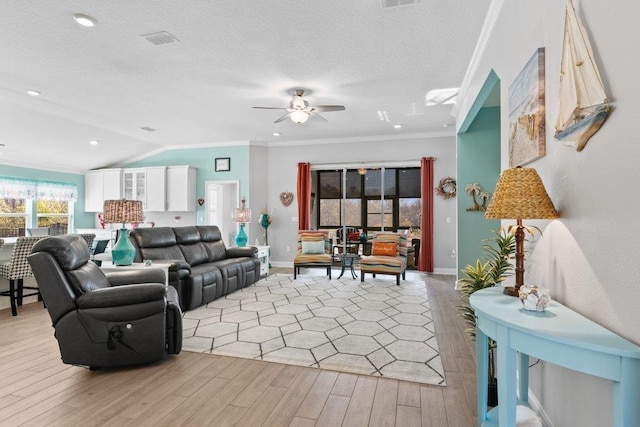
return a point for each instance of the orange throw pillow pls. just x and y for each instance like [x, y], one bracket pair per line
[384, 249]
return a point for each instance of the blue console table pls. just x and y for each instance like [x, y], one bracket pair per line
[558, 335]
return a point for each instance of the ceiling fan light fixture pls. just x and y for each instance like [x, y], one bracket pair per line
[298, 102]
[299, 116]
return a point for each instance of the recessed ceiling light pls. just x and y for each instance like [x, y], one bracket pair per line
[93, 142]
[33, 92]
[398, 126]
[276, 134]
[84, 20]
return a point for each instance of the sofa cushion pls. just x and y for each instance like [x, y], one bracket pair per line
[193, 250]
[211, 238]
[154, 237]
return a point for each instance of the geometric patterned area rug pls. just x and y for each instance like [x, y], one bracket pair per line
[373, 327]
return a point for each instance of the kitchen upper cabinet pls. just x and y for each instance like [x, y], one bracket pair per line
[147, 185]
[159, 188]
[101, 185]
[181, 188]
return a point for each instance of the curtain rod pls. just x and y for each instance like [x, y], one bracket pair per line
[356, 165]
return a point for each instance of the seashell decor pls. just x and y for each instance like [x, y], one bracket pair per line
[534, 298]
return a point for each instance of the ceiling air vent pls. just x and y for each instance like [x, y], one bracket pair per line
[395, 3]
[159, 38]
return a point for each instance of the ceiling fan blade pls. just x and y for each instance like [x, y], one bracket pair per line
[282, 118]
[270, 108]
[319, 116]
[329, 107]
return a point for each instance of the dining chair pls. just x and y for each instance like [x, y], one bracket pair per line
[16, 270]
[89, 238]
[39, 231]
[99, 247]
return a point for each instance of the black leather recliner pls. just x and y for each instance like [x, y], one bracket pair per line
[122, 318]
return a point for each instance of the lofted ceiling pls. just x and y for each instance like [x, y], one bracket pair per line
[108, 82]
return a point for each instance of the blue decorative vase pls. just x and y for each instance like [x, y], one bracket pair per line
[241, 237]
[123, 252]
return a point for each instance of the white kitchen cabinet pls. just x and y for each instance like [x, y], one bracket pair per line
[147, 185]
[181, 188]
[101, 185]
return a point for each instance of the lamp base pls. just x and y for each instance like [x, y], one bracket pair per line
[512, 291]
[241, 237]
[123, 253]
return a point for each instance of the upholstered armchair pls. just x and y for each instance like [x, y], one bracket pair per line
[313, 250]
[126, 318]
[388, 256]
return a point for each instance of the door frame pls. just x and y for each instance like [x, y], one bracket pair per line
[228, 199]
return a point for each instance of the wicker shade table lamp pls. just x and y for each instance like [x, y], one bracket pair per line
[123, 211]
[520, 195]
[241, 215]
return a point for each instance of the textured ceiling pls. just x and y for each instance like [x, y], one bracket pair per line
[107, 82]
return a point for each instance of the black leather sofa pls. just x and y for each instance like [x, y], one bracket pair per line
[104, 321]
[202, 267]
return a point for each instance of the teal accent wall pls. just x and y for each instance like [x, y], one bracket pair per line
[203, 159]
[81, 218]
[478, 161]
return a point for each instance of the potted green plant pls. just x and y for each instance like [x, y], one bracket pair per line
[488, 272]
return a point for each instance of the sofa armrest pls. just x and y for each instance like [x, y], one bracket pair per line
[175, 264]
[242, 251]
[121, 296]
[128, 277]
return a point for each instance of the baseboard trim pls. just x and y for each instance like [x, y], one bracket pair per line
[444, 271]
[539, 410]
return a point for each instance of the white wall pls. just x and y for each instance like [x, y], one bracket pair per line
[589, 258]
[282, 176]
[258, 191]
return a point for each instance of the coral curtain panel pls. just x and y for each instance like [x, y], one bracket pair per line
[304, 196]
[425, 263]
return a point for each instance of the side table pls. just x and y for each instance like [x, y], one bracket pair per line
[348, 260]
[557, 335]
[141, 266]
[263, 256]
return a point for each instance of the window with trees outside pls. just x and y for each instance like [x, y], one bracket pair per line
[26, 203]
[13, 217]
[367, 205]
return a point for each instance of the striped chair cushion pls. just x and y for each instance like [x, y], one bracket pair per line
[383, 264]
[311, 259]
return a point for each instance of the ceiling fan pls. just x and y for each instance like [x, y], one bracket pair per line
[299, 109]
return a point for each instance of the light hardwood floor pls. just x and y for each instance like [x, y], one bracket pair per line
[37, 389]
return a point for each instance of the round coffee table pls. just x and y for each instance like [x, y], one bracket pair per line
[348, 260]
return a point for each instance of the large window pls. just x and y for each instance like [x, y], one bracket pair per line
[55, 215]
[372, 200]
[13, 217]
[28, 203]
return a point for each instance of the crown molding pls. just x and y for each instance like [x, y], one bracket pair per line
[41, 167]
[376, 138]
[483, 41]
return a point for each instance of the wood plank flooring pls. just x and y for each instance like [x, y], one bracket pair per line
[37, 389]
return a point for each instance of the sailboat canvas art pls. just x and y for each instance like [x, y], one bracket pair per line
[583, 101]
